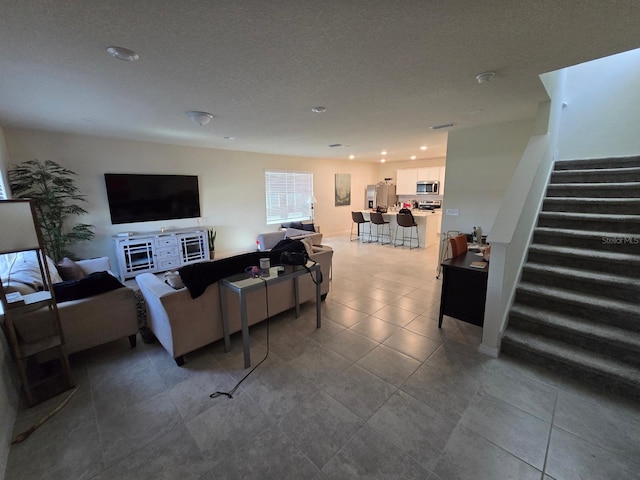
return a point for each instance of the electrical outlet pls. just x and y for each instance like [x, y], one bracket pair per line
[453, 212]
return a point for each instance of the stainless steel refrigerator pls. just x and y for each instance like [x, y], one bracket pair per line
[370, 197]
[385, 195]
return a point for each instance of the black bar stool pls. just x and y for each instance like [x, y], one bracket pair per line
[358, 219]
[406, 220]
[378, 220]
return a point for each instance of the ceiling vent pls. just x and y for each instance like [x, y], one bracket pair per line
[444, 125]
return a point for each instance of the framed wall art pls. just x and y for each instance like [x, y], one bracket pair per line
[343, 189]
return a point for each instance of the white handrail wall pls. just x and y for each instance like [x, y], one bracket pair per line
[513, 227]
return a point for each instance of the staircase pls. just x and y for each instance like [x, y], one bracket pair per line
[577, 306]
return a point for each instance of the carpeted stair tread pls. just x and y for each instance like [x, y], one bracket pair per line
[590, 163]
[597, 200]
[591, 186]
[580, 327]
[587, 217]
[575, 357]
[596, 255]
[598, 171]
[569, 296]
[623, 281]
[587, 234]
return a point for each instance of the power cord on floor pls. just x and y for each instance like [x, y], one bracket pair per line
[231, 392]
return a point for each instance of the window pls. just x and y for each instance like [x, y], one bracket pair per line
[289, 196]
[3, 189]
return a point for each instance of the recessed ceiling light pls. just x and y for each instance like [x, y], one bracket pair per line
[201, 118]
[351, 157]
[123, 54]
[382, 160]
[319, 109]
[485, 77]
[383, 152]
[423, 148]
[413, 157]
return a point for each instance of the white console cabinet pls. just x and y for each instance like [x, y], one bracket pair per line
[159, 251]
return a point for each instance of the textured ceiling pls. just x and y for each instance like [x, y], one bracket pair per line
[386, 70]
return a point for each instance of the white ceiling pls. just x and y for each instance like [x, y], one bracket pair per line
[386, 70]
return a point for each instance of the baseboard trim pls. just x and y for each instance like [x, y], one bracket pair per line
[491, 351]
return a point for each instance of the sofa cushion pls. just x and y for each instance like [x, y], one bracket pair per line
[93, 284]
[70, 270]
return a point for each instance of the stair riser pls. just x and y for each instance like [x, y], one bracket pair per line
[593, 191]
[627, 208]
[594, 344]
[600, 225]
[623, 162]
[625, 292]
[616, 244]
[595, 176]
[602, 316]
[592, 264]
[602, 382]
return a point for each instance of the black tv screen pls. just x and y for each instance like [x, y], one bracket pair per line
[144, 198]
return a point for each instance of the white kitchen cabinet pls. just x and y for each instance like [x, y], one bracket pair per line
[429, 173]
[406, 181]
[160, 251]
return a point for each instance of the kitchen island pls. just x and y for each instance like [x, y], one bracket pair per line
[428, 221]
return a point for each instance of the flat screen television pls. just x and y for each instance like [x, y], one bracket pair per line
[145, 198]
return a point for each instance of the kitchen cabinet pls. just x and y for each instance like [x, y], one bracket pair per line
[406, 181]
[159, 252]
[429, 173]
[408, 177]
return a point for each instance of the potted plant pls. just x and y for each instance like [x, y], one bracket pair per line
[211, 235]
[57, 200]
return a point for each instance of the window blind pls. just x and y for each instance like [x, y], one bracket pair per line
[289, 196]
[3, 189]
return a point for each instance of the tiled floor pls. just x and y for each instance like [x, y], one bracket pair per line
[379, 392]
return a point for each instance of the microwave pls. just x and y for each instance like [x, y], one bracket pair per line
[428, 187]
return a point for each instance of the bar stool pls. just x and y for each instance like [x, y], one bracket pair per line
[358, 219]
[378, 220]
[405, 220]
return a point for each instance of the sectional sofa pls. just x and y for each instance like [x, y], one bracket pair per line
[182, 323]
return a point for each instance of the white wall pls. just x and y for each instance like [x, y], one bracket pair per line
[602, 114]
[480, 164]
[231, 183]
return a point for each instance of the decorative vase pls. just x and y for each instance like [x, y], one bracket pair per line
[211, 254]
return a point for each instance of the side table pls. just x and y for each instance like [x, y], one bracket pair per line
[241, 284]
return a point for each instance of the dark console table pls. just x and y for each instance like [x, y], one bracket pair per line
[464, 289]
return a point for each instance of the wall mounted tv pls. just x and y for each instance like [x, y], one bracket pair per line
[144, 198]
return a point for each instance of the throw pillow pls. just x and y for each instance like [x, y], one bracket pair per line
[25, 269]
[173, 280]
[308, 245]
[70, 270]
[309, 227]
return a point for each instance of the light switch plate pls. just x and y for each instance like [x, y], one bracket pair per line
[453, 212]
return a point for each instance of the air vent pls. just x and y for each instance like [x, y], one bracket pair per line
[335, 145]
[445, 125]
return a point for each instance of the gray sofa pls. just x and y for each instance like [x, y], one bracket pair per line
[183, 324]
[87, 322]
